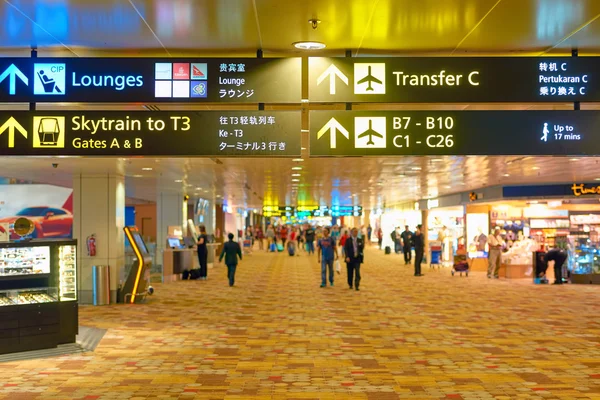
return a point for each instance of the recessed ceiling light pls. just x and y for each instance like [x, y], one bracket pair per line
[415, 169]
[295, 180]
[298, 159]
[147, 169]
[535, 168]
[296, 168]
[506, 175]
[303, 100]
[296, 174]
[436, 160]
[178, 180]
[574, 159]
[448, 187]
[137, 176]
[198, 188]
[309, 45]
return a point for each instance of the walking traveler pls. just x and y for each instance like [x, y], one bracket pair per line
[231, 252]
[326, 256]
[496, 243]
[407, 239]
[203, 253]
[419, 243]
[354, 250]
[309, 235]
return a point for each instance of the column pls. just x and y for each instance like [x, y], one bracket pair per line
[99, 209]
[171, 210]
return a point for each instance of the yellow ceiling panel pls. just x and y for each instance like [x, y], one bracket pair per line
[530, 26]
[426, 25]
[342, 26]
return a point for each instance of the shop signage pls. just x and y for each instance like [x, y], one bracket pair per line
[125, 80]
[454, 79]
[117, 133]
[581, 189]
[422, 133]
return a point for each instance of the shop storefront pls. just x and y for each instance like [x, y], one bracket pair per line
[536, 219]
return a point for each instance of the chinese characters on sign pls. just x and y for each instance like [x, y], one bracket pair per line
[169, 134]
[233, 127]
[554, 80]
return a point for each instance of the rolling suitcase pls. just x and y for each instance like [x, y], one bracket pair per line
[388, 250]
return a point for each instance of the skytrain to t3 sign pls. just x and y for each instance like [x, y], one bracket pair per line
[168, 134]
[229, 80]
[454, 79]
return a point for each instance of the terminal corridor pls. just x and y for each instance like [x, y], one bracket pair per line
[277, 335]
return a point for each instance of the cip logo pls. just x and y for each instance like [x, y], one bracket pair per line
[49, 79]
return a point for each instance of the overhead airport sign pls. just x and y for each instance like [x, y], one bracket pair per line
[407, 133]
[454, 79]
[168, 134]
[152, 80]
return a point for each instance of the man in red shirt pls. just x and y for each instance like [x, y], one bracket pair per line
[284, 234]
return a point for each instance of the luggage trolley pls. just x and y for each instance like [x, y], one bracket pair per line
[435, 254]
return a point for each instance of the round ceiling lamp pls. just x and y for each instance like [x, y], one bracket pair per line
[309, 45]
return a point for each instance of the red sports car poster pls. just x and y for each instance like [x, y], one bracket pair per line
[49, 207]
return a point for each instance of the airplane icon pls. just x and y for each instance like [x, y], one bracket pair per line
[373, 74]
[370, 79]
[370, 133]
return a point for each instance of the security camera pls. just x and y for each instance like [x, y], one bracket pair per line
[54, 165]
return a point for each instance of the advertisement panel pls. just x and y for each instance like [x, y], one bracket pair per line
[49, 207]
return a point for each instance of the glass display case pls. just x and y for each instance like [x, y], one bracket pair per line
[67, 272]
[28, 296]
[15, 261]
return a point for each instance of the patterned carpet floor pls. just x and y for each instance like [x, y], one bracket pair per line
[278, 335]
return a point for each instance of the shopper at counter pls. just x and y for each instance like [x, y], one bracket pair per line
[231, 252]
[556, 258]
[419, 243]
[496, 243]
[203, 253]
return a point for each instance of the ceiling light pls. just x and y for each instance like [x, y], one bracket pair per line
[296, 174]
[303, 100]
[436, 160]
[146, 169]
[506, 175]
[178, 180]
[309, 45]
[535, 168]
[198, 188]
[295, 180]
[303, 148]
[137, 176]
[296, 168]
[304, 130]
[574, 159]
[298, 159]
[448, 187]
[416, 168]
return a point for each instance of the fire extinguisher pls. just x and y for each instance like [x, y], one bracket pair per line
[91, 245]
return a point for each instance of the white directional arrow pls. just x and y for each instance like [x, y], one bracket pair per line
[334, 126]
[11, 124]
[12, 73]
[332, 72]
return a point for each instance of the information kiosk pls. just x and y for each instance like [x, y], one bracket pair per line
[135, 288]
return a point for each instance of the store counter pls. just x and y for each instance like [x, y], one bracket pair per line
[175, 261]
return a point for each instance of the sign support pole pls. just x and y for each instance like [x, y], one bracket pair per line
[348, 105]
[576, 105]
[32, 106]
[259, 54]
